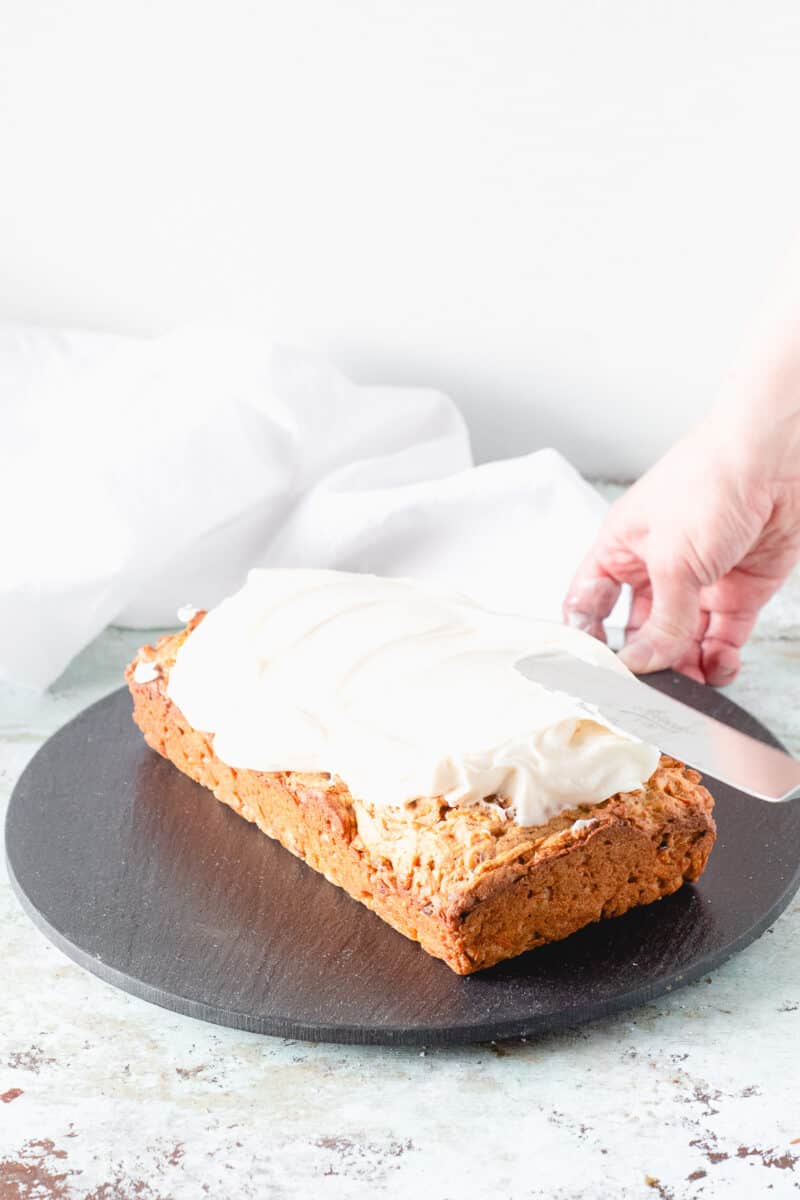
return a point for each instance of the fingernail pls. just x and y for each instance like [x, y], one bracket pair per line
[638, 656]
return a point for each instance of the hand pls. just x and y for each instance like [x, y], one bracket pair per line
[704, 538]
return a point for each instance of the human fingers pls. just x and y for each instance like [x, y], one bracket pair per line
[692, 662]
[590, 597]
[721, 662]
[669, 635]
[735, 606]
[641, 603]
[597, 583]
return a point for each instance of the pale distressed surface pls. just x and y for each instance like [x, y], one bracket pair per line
[103, 1096]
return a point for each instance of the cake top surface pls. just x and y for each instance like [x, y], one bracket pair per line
[403, 690]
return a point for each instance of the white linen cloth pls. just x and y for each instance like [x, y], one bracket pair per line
[138, 475]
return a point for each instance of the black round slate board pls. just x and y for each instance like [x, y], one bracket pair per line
[143, 878]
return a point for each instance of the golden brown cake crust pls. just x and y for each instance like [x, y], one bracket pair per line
[469, 884]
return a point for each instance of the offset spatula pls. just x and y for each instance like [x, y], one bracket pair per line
[701, 741]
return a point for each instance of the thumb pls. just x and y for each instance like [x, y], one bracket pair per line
[671, 629]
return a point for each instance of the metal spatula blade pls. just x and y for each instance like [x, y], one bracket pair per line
[698, 740]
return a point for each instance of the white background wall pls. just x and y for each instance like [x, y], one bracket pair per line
[564, 214]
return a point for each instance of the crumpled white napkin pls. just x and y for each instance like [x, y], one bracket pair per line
[141, 474]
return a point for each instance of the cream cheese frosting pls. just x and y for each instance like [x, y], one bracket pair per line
[402, 690]
[145, 671]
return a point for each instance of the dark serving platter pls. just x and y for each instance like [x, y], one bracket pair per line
[140, 876]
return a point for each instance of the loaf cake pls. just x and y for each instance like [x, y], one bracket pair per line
[479, 851]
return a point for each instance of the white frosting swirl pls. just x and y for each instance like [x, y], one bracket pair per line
[402, 690]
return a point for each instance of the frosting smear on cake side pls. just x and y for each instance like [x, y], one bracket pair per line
[403, 690]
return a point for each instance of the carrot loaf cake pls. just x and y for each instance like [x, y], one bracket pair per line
[379, 730]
